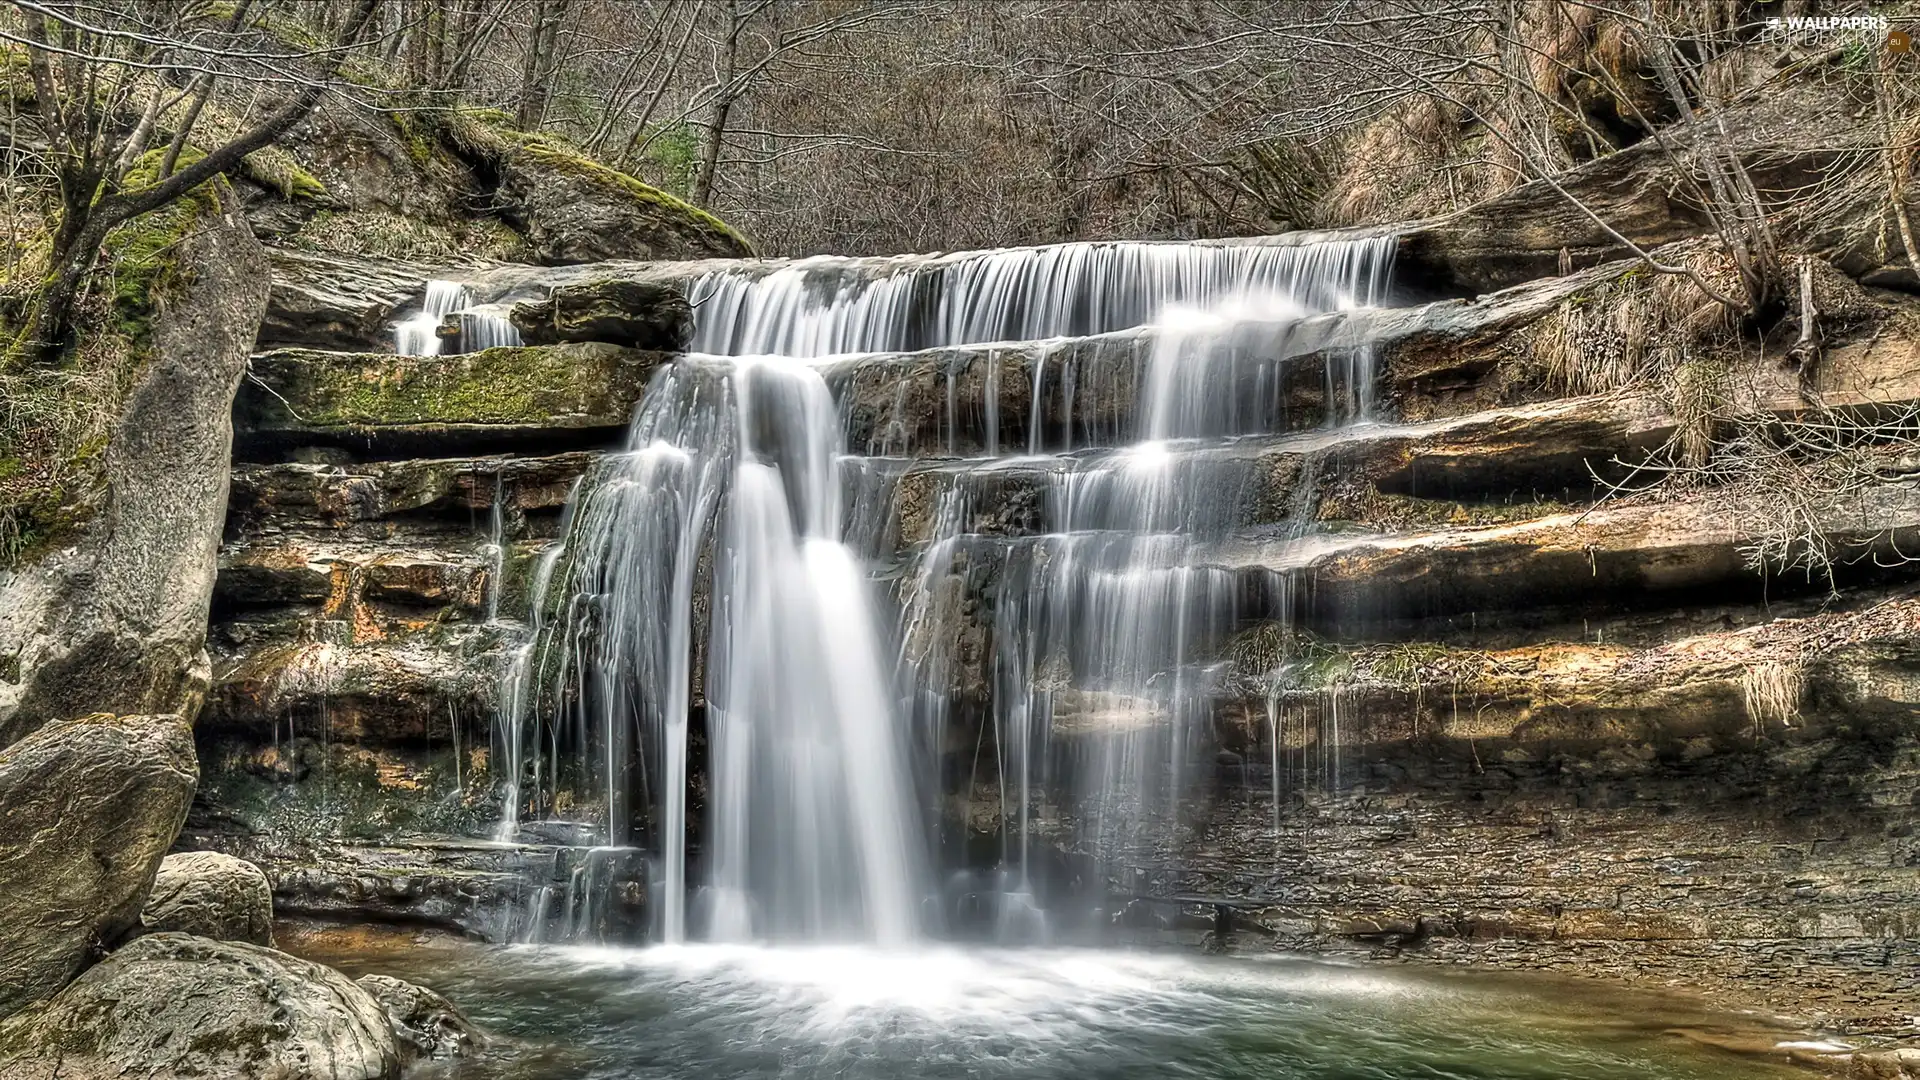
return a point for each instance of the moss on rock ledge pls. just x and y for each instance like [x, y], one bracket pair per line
[574, 386]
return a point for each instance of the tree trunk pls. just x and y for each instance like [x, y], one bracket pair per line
[536, 73]
[722, 105]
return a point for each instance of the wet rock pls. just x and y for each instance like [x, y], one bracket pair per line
[173, 1005]
[89, 809]
[475, 888]
[291, 568]
[1626, 553]
[572, 209]
[405, 690]
[427, 1026]
[1901, 1063]
[118, 621]
[211, 895]
[639, 314]
[368, 491]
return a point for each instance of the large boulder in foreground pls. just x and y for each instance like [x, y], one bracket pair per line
[115, 619]
[173, 1005]
[211, 895]
[572, 209]
[88, 809]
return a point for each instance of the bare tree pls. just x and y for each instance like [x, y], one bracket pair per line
[83, 60]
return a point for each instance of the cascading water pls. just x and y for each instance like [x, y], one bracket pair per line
[419, 334]
[715, 537]
[709, 677]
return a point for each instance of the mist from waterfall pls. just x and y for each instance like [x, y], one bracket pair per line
[711, 656]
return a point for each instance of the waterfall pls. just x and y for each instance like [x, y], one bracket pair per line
[825, 306]
[419, 334]
[716, 536]
[710, 674]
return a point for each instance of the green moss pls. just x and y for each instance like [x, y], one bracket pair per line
[1408, 664]
[143, 252]
[276, 169]
[420, 134]
[567, 384]
[16, 75]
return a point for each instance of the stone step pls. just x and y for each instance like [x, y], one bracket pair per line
[348, 303]
[1526, 452]
[480, 889]
[1617, 556]
[383, 406]
[1295, 709]
[337, 573]
[1264, 376]
[1439, 360]
[402, 690]
[370, 491]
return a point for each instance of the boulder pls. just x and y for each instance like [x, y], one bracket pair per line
[174, 1005]
[1788, 137]
[427, 1026]
[211, 895]
[88, 809]
[118, 620]
[572, 209]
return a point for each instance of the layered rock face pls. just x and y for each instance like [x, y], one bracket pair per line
[1469, 685]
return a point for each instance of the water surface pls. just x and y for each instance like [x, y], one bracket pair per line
[712, 1011]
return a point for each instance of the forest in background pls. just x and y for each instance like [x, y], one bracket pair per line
[879, 126]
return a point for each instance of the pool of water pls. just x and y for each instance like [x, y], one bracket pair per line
[715, 1012]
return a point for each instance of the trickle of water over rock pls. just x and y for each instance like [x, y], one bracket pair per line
[709, 674]
[420, 334]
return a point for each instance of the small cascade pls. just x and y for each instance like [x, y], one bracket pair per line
[708, 674]
[420, 334]
[825, 306]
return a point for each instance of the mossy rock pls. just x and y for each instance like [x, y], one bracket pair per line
[573, 386]
[573, 209]
[50, 454]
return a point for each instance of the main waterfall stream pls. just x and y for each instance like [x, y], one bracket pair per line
[749, 668]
